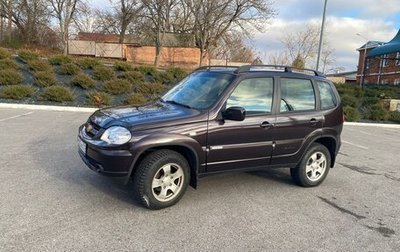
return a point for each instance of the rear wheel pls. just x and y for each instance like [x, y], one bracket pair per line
[161, 179]
[314, 166]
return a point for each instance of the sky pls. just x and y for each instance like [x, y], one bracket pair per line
[373, 19]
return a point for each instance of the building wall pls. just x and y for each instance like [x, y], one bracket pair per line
[188, 58]
[389, 75]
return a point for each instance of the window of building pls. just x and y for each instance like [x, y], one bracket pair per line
[367, 63]
[385, 60]
[398, 59]
[254, 95]
[384, 81]
[328, 98]
[396, 82]
[297, 95]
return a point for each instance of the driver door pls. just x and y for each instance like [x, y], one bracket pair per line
[234, 145]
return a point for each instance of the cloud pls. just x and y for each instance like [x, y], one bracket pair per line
[340, 34]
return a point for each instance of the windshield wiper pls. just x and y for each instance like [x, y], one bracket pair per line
[177, 103]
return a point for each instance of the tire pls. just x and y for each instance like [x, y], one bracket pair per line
[313, 168]
[161, 179]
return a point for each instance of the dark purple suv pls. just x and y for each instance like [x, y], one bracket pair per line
[218, 119]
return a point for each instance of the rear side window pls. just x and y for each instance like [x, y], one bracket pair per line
[254, 95]
[328, 98]
[297, 95]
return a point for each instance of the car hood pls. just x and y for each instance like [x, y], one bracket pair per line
[152, 115]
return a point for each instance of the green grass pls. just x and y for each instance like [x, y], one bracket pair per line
[69, 69]
[99, 99]
[40, 66]
[4, 53]
[8, 64]
[17, 92]
[27, 55]
[103, 73]
[83, 81]
[45, 79]
[117, 86]
[59, 60]
[57, 94]
[10, 77]
[394, 116]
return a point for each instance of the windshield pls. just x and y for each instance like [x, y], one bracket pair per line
[199, 90]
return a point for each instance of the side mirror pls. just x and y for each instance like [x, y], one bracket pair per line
[234, 114]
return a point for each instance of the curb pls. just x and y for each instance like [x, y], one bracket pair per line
[381, 125]
[91, 110]
[47, 107]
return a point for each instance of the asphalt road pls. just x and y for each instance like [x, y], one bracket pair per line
[49, 200]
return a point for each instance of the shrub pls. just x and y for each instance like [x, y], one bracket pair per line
[177, 72]
[8, 64]
[4, 53]
[45, 79]
[69, 69]
[99, 99]
[117, 86]
[103, 73]
[57, 94]
[149, 88]
[135, 99]
[133, 76]
[377, 113]
[59, 60]
[39, 66]
[83, 81]
[371, 92]
[147, 70]
[10, 77]
[27, 55]
[17, 92]
[88, 63]
[394, 116]
[369, 101]
[348, 100]
[123, 66]
[352, 114]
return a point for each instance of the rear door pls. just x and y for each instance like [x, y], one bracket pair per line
[234, 145]
[297, 118]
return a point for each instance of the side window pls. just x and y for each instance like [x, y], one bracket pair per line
[254, 95]
[328, 98]
[297, 95]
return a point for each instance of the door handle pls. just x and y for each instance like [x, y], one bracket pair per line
[313, 122]
[266, 125]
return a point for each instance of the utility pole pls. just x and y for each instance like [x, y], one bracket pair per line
[321, 36]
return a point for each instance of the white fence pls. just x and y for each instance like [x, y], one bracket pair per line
[91, 48]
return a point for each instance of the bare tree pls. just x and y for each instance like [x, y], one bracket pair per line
[126, 11]
[159, 12]
[279, 58]
[31, 17]
[233, 47]
[213, 18]
[63, 11]
[85, 18]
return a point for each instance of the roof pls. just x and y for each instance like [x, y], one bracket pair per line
[390, 47]
[371, 45]
[343, 74]
[105, 38]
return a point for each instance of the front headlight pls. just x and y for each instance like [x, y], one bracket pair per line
[116, 135]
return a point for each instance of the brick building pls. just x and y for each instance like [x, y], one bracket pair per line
[379, 62]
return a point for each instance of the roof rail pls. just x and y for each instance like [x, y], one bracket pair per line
[208, 68]
[287, 69]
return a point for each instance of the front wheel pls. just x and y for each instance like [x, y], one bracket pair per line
[161, 179]
[314, 166]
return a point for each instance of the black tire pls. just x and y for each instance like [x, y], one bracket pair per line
[299, 174]
[146, 172]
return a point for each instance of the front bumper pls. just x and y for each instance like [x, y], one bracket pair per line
[112, 163]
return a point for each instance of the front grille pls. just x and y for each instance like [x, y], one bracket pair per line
[91, 129]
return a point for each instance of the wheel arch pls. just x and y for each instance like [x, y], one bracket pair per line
[330, 143]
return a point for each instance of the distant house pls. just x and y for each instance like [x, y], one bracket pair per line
[343, 77]
[379, 62]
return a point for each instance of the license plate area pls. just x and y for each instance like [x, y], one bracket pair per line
[82, 145]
